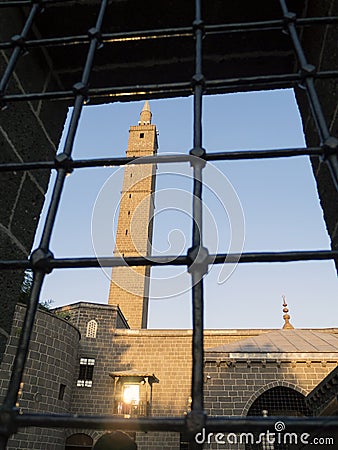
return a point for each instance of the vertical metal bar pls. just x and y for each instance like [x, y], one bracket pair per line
[18, 48]
[197, 297]
[22, 350]
[196, 416]
[315, 106]
[68, 146]
[198, 77]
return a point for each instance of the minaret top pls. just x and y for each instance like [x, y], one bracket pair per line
[145, 116]
[287, 325]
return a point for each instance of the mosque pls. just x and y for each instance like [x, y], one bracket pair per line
[101, 359]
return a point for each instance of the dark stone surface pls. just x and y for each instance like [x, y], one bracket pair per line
[167, 60]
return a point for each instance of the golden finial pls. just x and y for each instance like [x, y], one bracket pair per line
[287, 325]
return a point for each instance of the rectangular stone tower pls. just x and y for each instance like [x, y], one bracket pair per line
[130, 285]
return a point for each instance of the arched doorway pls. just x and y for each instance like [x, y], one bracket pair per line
[79, 441]
[277, 401]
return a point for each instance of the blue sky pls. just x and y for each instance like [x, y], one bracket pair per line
[281, 211]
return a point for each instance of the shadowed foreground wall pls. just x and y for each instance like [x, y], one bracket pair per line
[52, 362]
[29, 131]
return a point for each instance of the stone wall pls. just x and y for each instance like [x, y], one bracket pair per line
[55, 354]
[94, 400]
[29, 131]
[232, 388]
[167, 354]
[51, 364]
[320, 46]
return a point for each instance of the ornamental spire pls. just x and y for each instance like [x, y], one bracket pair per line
[287, 325]
[145, 116]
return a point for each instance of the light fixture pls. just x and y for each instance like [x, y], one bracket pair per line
[133, 391]
[131, 394]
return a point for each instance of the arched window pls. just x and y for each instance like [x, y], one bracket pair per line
[277, 401]
[79, 441]
[91, 329]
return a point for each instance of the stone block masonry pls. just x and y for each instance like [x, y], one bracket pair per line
[48, 379]
[320, 46]
[229, 388]
[29, 131]
[130, 285]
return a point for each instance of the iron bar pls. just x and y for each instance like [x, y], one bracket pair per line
[307, 71]
[15, 3]
[219, 258]
[196, 417]
[22, 352]
[196, 259]
[80, 98]
[165, 33]
[40, 257]
[220, 423]
[18, 44]
[230, 155]
[164, 90]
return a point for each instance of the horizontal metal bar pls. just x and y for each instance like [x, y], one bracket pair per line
[265, 257]
[254, 423]
[165, 33]
[268, 25]
[263, 154]
[282, 78]
[99, 162]
[221, 258]
[114, 93]
[106, 38]
[220, 423]
[164, 90]
[177, 158]
[15, 3]
[101, 422]
[11, 4]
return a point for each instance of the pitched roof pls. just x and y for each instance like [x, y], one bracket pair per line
[282, 342]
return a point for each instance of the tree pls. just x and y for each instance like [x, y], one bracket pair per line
[25, 291]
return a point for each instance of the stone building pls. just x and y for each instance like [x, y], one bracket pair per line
[97, 359]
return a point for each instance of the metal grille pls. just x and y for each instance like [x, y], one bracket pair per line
[197, 258]
[278, 400]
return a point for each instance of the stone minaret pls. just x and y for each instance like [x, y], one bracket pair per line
[130, 285]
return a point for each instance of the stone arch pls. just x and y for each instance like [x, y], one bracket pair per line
[91, 329]
[266, 387]
[79, 441]
[115, 439]
[91, 433]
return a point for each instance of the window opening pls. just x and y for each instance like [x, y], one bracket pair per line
[91, 329]
[62, 389]
[86, 371]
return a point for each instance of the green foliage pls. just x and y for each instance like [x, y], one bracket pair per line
[26, 289]
[46, 305]
[65, 315]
